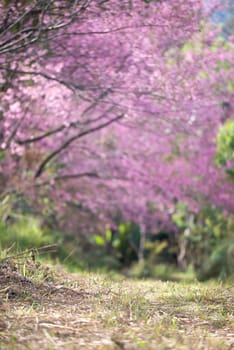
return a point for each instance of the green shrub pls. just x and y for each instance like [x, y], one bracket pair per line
[220, 264]
[207, 239]
[25, 232]
[121, 244]
[225, 148]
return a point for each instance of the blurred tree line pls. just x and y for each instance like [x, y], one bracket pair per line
[200, 243]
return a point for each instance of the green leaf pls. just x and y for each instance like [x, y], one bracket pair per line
[99, 240]
[108, 234]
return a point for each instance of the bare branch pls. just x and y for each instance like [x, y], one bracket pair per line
[67, 143]
[73, 124]
[18, 28]
[68, 177]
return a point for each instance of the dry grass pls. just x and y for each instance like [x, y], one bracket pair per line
[87, 311]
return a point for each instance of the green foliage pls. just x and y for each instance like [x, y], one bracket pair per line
[83, 253]
[207, 239]
[179, 217]
[25, 232]
[20, 230]
[99, 240]
[225, 148]
[127, 242]
[123, 243]
[220, 263]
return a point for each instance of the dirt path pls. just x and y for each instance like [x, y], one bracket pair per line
[89, 311]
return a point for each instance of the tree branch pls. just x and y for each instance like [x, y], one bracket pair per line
[69, 177]
[67, 143]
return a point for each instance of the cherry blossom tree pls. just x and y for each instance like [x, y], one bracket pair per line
[115, 105]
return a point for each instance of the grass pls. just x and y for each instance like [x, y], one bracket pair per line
[110, 312]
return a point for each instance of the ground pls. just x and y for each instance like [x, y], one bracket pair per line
[58, 310]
